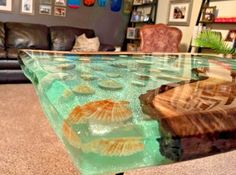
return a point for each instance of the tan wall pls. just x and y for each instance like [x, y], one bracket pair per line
[225, 8]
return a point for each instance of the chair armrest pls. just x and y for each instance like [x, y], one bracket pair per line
[106, 47]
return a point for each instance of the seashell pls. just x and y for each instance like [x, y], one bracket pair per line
[113, 75]
[115, 147]
[143, 77]
[88, 77]
[119, 65]
[107, 59]
[67, 93]
[110, 84]
[154, 70]
[104, 111]
[61, 60]
[143, 62]
[83, 90]
[97, 68]
[84, 59]
[138, 57]
[138, 83]
[66, 66]
[71, 135]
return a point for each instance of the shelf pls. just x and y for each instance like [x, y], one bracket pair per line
[146, 4]
[204, 22]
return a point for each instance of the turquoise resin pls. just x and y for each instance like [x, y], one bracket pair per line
[56, 76]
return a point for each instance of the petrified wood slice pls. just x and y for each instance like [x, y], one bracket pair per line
[196, 118]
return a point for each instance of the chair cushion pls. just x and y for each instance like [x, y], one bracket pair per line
[63, 37]
[9, 64]
[2, 36]
[83, 43]
[12, 53]
[27, 36]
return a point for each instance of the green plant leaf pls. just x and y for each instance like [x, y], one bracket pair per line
[213, 40]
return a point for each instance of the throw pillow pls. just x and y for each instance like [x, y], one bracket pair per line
[82, 43]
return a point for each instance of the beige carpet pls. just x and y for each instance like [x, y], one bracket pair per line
[28, 145]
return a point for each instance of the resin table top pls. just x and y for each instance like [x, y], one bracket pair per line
[120, 111]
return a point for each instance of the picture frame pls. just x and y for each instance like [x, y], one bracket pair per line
[45, 1]
[180, 12]
[6, 5]
[60, 11]
[137, 2]
[128, 5]
[136, 16]
[132, 33]
[45, 9]
[208, 14]
[27, 7]
[231, 36]
[147, 1]
[60, 2]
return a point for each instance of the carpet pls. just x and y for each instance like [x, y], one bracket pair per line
[29, 146]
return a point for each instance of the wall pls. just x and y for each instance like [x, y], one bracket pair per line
[225, 8]
[109, 26]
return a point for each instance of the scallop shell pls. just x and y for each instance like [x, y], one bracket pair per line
[88, 77]
[83, 90]
[97, 68]
[138, 83]
[71, 135]
[113, 75]
[119, 65]
[102, 111]
[144, 62]
[61, 59]
[66, 66]
[110, 84]
[115, 147]
[143, 77]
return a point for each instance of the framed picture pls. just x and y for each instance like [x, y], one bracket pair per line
[6, 5]
[60, 11]
[137, 2]
[231, 36]
[45, 9]
[147, 1]
[27, 7]
[136, 16]
[208, 14]
[180, 12]
[60, 2]
[45, 1]
[132, 33]
[128, 5]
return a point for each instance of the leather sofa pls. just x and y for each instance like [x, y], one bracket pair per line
[14, 36]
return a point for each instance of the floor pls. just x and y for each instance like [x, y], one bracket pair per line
[28, 145]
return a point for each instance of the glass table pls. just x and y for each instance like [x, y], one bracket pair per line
[120, 111]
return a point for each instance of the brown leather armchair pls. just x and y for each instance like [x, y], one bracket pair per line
[160, 38]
